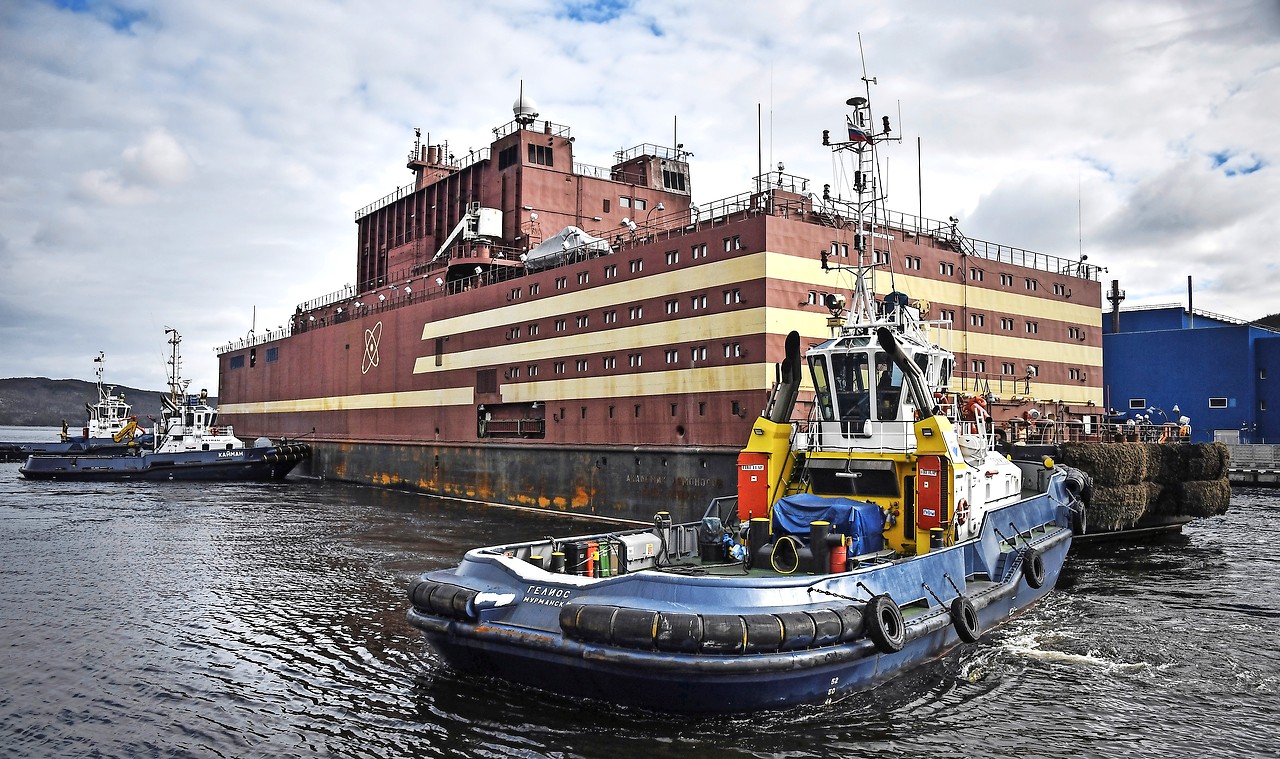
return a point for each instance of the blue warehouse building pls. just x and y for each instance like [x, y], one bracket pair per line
[1222, 373]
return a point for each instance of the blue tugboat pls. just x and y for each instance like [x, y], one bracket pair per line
[188, 444]
[873, 535]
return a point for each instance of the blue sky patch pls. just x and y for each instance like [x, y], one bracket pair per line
[1233, 164]
[119, 18]
[595, 11]
[1098, 165]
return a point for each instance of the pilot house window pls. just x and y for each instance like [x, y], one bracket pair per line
[855, 391]
[540, 155]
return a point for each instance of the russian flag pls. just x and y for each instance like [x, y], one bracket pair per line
[856, 134]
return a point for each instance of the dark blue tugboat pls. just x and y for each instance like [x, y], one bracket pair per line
[873, 535]
[188, 444]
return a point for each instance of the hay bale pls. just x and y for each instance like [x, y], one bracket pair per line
[1165, 463]
[1195, 498]
[1117, 507]
[1206, 498]
[1109, 464]
[1165, 499]
[1202, 461]
[1224, 461]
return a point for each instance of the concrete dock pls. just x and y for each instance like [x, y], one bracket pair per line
[1254, 464]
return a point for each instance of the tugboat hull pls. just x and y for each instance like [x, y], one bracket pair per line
[692, 684]
[244, 464]
[672, 642]
[93, 446]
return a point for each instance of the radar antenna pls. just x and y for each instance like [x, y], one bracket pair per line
[524, 108]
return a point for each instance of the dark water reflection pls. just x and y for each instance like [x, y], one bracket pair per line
[269, 620]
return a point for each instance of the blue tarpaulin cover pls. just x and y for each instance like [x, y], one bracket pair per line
[863, 522]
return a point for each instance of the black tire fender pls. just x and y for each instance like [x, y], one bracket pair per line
[882, 620]
[1079, 522]
[964, 616]
[1033, 567]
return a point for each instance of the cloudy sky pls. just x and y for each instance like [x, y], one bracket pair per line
[198, 165]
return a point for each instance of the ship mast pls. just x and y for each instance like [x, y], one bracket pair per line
[97, 370]
[868, 193]
[177, 386]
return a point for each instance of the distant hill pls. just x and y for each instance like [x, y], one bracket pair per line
[44, 402]
[1271, 322]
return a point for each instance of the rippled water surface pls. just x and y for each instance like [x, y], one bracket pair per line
[195, 620]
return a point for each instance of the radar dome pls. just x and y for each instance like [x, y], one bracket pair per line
[525, 109]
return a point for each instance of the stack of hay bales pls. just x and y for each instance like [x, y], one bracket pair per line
[1119, 473]
[1155, 482]
[1196, 484]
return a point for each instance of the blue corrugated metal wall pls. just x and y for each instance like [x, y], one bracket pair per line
[1160, 359]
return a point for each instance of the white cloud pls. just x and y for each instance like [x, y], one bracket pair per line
[106, 186]
[158, 161]
[155, 163]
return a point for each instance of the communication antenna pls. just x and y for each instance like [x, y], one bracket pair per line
[869, 191]
[177, 386]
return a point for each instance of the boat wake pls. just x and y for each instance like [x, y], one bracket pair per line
[1049, 647]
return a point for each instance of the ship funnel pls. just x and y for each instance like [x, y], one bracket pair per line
[783, 398]
[916, 381]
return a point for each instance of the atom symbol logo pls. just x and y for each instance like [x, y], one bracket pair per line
[371, 339]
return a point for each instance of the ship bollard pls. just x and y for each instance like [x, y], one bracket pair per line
[557, 562]
[574, 558]
[818, 532]
[758, 546]
[825, 545]
[935, 538]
